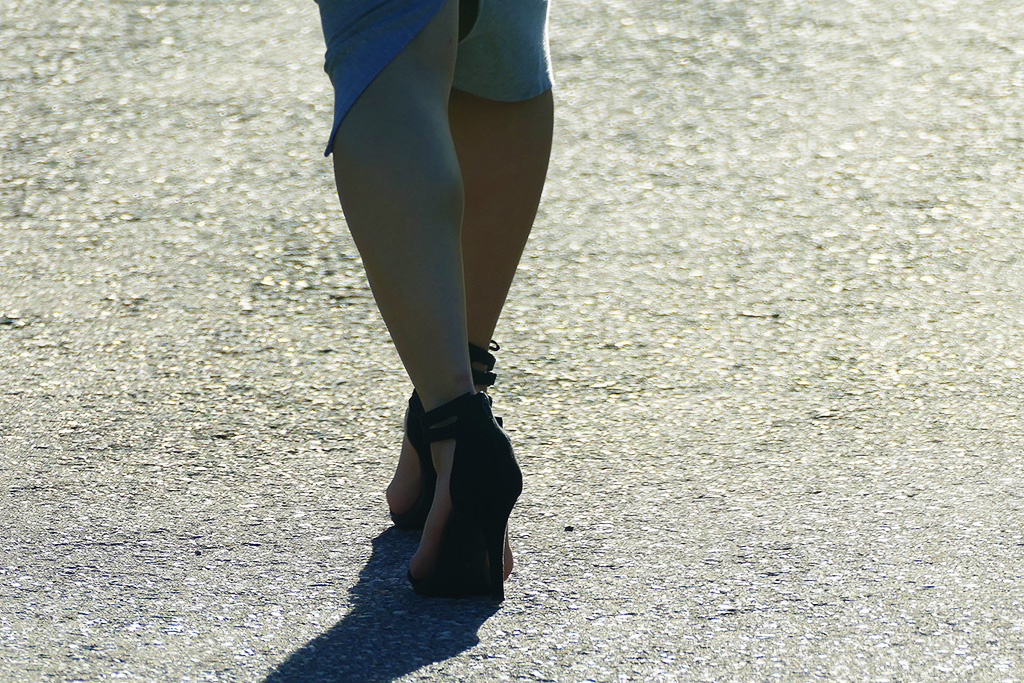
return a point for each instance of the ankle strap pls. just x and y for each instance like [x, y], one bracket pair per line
[481, 378]
[453, 415]
[477, 354]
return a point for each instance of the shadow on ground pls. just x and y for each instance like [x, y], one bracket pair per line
[390, 631]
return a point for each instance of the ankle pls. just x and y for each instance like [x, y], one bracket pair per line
[459, 385]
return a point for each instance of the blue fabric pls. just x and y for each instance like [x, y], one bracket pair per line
[503, 57]
[362, 38]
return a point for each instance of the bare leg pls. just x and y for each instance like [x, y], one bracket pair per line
[503, 150]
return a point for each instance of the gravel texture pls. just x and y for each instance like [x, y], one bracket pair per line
[762, 365]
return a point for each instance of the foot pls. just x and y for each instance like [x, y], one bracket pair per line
[405, 485]
[422, 562]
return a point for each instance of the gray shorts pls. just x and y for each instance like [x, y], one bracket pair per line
[503, 56]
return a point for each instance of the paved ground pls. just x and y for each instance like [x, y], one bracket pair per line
[762, 364]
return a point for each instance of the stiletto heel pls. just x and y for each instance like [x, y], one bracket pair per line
[414, 518]
[485, 483]
[496, 557]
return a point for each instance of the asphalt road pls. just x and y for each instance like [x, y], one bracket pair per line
[762, 364]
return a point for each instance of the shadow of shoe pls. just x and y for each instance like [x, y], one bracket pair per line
[390, 631]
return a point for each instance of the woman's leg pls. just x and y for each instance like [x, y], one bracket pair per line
[503, 150]
[400, 186]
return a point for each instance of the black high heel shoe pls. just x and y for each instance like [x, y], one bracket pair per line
[485, 483]
[414, 518]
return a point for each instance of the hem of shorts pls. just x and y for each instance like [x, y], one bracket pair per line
[498, 95]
